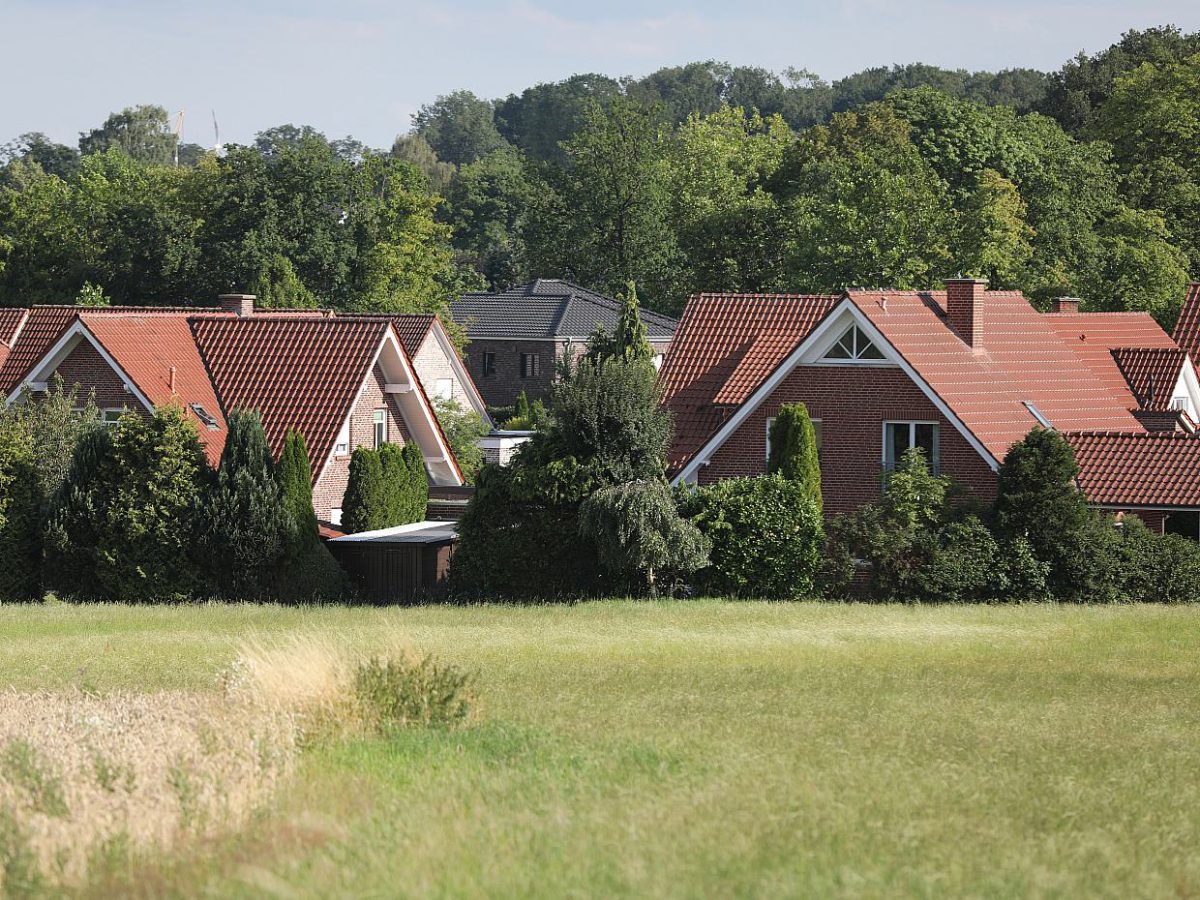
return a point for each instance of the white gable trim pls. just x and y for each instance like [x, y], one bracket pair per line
[837, 317]
[54, 357]
[460, 371]
[1188, 386]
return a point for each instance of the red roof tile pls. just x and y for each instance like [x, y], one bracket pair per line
[1187, 326]
[300, 373]
[1160, 468]
[11, 320]
[147, 348]
[1093, 337]
[1152, 373]
[44, 326]
[723, 349]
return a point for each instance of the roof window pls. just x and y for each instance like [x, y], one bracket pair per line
[209, 420]
[854, 345]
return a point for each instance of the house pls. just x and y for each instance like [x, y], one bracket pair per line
[963, 373]
[343, 381]
[517, 335]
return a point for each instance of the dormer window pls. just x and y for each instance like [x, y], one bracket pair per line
[854, 345]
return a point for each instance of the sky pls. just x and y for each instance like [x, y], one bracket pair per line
[363, 67]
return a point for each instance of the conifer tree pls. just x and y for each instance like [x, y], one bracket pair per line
[794, 449]
[72, 536]
[416, 500]
[20, 514]
[248, 528]
[295, 478]
[364, 507]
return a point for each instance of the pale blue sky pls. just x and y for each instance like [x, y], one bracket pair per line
[362, 67]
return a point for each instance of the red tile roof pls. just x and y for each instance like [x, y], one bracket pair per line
[1187, 326]
[1094, 337]
[1160, 468]
[299, 373]
[1152, 373]
[11, 319]
[724, 347]
[147, 348]
[44, 326]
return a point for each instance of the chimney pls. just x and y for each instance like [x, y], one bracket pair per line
[239, 304]
[964, 308]
[1065, 305]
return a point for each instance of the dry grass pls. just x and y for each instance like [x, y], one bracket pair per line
[85, 779]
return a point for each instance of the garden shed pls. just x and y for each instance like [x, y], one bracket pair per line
[398, 565]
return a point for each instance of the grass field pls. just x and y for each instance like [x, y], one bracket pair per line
[703, 749]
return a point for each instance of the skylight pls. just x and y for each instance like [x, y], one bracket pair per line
[852, 345]
[205, 416]
[1037, 414]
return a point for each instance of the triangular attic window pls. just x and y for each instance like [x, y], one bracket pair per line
[853, 344]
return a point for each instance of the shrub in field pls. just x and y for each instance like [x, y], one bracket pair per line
[766, 536]
[794, 449]
[1037, 499]
[641, 540]
[364, 506]
[20, 513]
[393, 693]
[247, 528]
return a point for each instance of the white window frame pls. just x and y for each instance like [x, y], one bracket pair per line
[111, 416]
[767, 438]
[341, 447]
[855, 359]
[379, 427]
[935, 461]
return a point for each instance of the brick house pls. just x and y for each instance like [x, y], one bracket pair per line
[516, 335]
[342, 381]
[963, 373]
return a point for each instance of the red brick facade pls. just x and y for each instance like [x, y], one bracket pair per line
[331, 485]
[852, 403]
[87, 370]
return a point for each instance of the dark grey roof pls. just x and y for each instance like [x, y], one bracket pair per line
[547, 308]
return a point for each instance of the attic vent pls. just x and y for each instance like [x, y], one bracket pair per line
[1037, 414]
[204, 416]
[854, 345]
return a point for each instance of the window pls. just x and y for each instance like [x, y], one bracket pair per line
[854, 345]
[489, 363]
[110, 417]
[1179, 404]
[341, 446]
[379, 421]
[445, 389]
[901, 436]
[531, 365]
[205, 416]
[816, 424]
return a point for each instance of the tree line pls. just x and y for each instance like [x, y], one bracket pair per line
[698, 177]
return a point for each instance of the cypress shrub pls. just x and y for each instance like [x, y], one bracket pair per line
[794, 450]
[416, 495]
[364, 507]
[248, 528]
[295, 477]
[72, 528]
[20, 514]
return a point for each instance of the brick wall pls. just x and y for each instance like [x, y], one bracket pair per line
[502, 388]
[852, 403]
[432, 365]
[86, 369]
[331, 485]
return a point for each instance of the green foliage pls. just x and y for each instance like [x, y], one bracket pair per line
[142, 132]
[395, 693]
[526, 416]
[464, 428]
[74, 522]
[459, 127]
[278, 286]
[766, 536]
[1158, 568]
[405, 484]
[20, 513]
[364, 507]
[628, 342]
[486, 205]
[295, 478]
[794, 450]
[92, 295]
[247, 527]
[640, 538]
[56, 422]
[1037, 500]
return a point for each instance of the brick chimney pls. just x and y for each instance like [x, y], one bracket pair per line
[1065, 304]
[239, 304]
[964, 308]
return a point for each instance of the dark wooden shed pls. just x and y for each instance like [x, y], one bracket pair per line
[405, 564]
